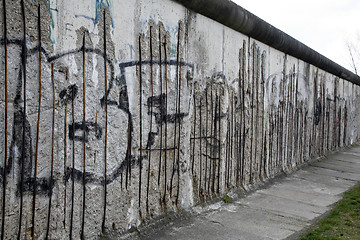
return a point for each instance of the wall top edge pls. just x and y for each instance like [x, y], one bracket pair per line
[239, 19]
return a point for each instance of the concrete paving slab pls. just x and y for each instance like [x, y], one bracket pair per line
[273, 212]
[340, 162]
[342, 167]
[353, 149]
[348, 157]
[327, 185]
[282, 206]
[334, 173]
[265, 224]
[233, 221]
[349, 153]
[297, 193]
[204, 228]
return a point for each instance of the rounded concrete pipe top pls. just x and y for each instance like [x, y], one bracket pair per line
[233, 16]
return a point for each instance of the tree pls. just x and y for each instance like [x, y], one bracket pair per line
[353, 48]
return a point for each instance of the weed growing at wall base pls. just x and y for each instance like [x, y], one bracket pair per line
[343, 222]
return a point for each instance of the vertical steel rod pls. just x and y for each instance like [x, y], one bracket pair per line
[52, 151]
[243, 112]
[65, 154]
[200, 150]
[194, 138]
[176, 110]
[106, 129]
[227, 159]
[210, 186]
[23, 152]
[161, 105]
[151, 116]
[219, 149]
[263, 136]
[84, 142]
[231, 136]
[212, 142]
[37, 131]
[206, 137]
[252, 115]
[165, 118]
[73, 163]
[256, 104]
[6, 122]
[179, 112]
[140, 123]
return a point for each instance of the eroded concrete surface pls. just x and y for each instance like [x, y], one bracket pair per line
[278, 211]
[114, 113]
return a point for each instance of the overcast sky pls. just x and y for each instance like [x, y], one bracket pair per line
[324, 25]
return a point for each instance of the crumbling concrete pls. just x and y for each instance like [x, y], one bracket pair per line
[121, 113]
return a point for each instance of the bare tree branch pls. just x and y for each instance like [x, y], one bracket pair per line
[352, 51]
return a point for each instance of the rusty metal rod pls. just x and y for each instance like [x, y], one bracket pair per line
[297, 117]
[227, 161]
[151, 116]
[179, 111]
[228, 151]
[323, 117]
[303, 134]
[200, 148]
[211, 134]
[194, 142]
[161, 104]
[96, 122]
[84, 142]
[271, 138]
[219, 149]
[196, 138]
[237, 145]
[37, 131]
[206, 135]
[229, 144]
[140, 121]
[73, 163]
[176, 109]
[106, 129]
[243, 70]
[263, 136]
[256, 104]
[166, 105]
[175, 129]
[52, 152]
[23, 153]
[334, 113]
[328, 125]
[65, 154]
[6, 123]
[252, 113]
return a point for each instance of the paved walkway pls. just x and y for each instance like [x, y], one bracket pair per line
[276, 212]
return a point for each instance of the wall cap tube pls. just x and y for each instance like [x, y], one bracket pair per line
[239, 19]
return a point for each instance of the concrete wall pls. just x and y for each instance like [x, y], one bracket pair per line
[132, 110]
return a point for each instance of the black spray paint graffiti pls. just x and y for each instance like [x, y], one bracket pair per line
[66, 96]
[86, 127]
[24, 157]
[317, 113]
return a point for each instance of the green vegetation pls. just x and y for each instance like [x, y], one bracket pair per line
[343, 222]
[227, 199]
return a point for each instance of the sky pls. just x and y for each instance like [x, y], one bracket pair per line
[323, 25]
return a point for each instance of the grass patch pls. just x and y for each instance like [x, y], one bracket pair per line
[343, 222]
[227, 199]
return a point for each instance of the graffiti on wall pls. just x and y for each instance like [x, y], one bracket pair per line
[136, 133]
